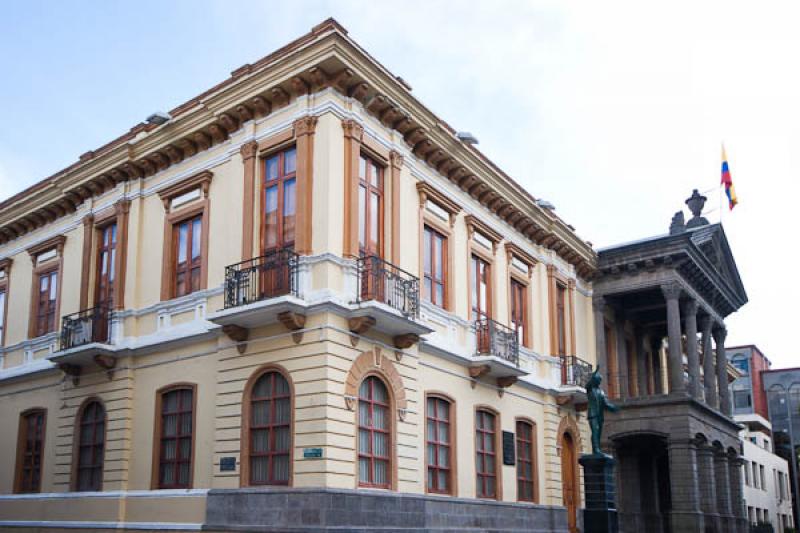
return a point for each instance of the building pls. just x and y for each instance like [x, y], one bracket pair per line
[783, 401]
[303, 301]
[766, 475]
[677, 447]
[747, 390]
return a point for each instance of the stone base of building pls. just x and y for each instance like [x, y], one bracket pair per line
[323, 510]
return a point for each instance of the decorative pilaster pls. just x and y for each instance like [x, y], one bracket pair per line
[737, 494]
[709, 372]
[690, 328]
[658, 371]
[248, 151]
[304, 129]
[722, 371]
[672, 293]
[353, 135]
[723, 486]
[395, 164]
[641, 364]
[599, 306]
[707, 480]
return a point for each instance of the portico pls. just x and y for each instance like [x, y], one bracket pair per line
[659, 308]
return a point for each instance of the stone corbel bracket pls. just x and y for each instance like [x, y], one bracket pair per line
[477, 372]
[403, 342]
[237, 334]
[74, 371]
[359, 326]
[107, 363]
[293, 322]
[505, 382]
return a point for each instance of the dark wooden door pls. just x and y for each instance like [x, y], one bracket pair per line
[568, 481]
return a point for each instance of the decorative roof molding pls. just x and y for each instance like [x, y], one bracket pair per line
[324, 58]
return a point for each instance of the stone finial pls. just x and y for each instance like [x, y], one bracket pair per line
[677, 225]
[695, 203]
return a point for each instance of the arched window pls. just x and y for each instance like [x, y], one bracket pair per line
[175, 412]
[526, 461]
[438, 439]
[269, 430]
[374, 434]
[90, 447]
[486, 454]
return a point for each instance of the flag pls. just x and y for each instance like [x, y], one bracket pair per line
[726, 180]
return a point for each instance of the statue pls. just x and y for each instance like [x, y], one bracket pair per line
[598, 403]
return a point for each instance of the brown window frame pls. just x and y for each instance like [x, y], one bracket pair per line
[280, 182]
[438, 274]
[42, 325]
[532, 447]
[389, 459]
[192, 264]
[54, 264]
[450, 470]
[561, 295]
[105, 295]
[365, 215]
[481, 474]
[159, 437]
[518, 295]
[20, 485]
[201, 207]
[474, 286]
[96, 447]
[246, 437]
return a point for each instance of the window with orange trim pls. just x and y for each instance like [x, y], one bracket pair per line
[438, 439]
[486, 454]
[270, 430]
[30, 449]
[525, 462]
[435, 266]
[46, 300]
[561, 319]
[279, 200]
[374, 434]
[370, 207]
[519, 309]
[176, 438]
[188, 243]
[90, 448]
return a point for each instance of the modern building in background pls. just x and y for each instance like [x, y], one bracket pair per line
[747, 391]
[782, 388]
[302, 300]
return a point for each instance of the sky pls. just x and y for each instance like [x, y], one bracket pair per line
[613, 111]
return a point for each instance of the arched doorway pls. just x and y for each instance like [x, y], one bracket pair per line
[569, 482]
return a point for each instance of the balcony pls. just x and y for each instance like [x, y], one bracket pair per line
[86, 327]
[575, 371]
[383, 282]
[496, 350]
[268, 276]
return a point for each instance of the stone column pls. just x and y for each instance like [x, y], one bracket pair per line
[685, 514]
[672, 293]
[708, 488]
[723, 485]
[599, 306]
[641, 364]
[722, 371]
[655, 354]
[709, 372]
[622, 355]
[690, 328]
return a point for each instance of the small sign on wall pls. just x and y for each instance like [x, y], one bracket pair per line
[312, 453]
[227, 464]
[509, 456]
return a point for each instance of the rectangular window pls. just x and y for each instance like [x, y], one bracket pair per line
[486, 455]
[188, 252]
[279, 198]
[741, 399]
[526, 492]
[561, 319]
[176, 438]
[435, 269]
[2, 315]
[519, 309]
[29, 451]
[480, 289]
[763, 478]
[46, 299]
[438, 439]
[370, 207]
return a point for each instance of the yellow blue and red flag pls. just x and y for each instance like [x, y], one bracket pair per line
[726, 180]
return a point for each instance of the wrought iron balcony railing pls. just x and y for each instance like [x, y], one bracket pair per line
[383, 282]
[574, 371]
[496, 339]
[268, 276]
[86, 327]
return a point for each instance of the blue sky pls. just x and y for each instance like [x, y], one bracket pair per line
[613, 111]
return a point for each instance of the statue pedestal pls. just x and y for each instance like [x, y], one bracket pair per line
[600, 515]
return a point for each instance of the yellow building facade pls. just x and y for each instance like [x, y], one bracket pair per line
[301, 303]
